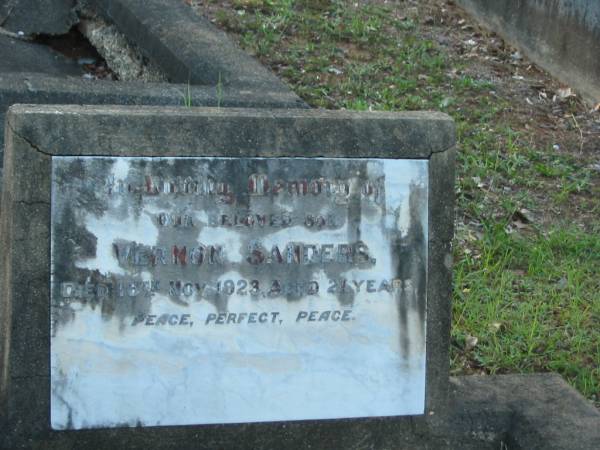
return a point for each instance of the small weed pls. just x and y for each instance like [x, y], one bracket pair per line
[219, 91]
[187, 96]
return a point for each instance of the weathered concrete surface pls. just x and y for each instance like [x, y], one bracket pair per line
[545, 412]
[233, 131]
[188, 48]
[22, 56]
[562, 36]
[37, 16]
[124, 59]
[441, 213]
[35, 133]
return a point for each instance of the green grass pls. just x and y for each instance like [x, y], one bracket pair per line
[187, 96]
[527, 288]
[532, 302]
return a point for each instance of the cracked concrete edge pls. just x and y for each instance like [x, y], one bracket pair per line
[187, 47]
[22, 234]
[13, 135]
[177, 131]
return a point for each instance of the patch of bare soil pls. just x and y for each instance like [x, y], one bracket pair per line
[546, 112]
[541, 104]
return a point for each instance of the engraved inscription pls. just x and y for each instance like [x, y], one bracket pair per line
[228, 286]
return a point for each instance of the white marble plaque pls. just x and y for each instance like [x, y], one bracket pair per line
[225, 290]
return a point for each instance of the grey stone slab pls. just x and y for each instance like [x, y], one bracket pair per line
[187, 47]
[38, 16]
[36, 134]
[23, 56]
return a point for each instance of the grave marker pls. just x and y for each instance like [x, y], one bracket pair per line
[193, 267]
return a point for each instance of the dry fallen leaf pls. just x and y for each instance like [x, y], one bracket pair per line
[477, 181]
[523, 215]
[565, 93]
[495, 327]
[470, 343]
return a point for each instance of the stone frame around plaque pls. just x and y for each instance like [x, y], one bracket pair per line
[37, 133]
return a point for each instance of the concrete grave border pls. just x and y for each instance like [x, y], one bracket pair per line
[18, 88]
[187, 47]
[36, 133]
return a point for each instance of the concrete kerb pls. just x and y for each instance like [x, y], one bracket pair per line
[186, 46]
[42, 89]
[535, 411]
